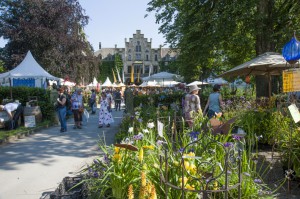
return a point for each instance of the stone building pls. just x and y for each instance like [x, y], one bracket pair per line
[138, 55]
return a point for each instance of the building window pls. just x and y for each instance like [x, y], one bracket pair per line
[156, 58]
[138, 57]
[146, 69]
[129, 69]
[129, 57]
[147, 57]
[138, 47]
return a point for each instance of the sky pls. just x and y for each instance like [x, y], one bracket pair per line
[111, 21]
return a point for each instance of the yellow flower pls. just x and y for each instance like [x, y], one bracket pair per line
[117, 157]
[153, 193]
[184, 182]
[143, 179]
[186, 165]
[141, 155]
[130, 192]
[215, 185]
[148, 147]
[189, 187]
[142, 194]
[117, 149]
[148, 187]
[192, 168]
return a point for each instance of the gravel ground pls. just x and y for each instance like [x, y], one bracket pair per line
[273, 174]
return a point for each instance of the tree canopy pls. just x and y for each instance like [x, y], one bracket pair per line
[53, 31]
[214, 36]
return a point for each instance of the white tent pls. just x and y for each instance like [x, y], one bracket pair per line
[94, 83]
[27, 73]
[219, 81]
[67, 83]
[168, 83]
[149, 84]
[197, 83]
[163, 76]
[107, 83]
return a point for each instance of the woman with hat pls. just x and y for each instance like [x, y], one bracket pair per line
[214, 102]
[192, 105]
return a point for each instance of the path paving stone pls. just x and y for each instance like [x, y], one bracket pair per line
[33, 166]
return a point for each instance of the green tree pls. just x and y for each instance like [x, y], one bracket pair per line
[53, 31]
[218, 35]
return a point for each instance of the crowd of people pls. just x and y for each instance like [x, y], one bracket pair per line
[73, 103]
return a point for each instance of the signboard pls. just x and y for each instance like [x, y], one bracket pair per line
[294, 112]
[291, 80]
[29, 121]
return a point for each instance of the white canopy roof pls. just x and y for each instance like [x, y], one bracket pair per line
[197, 83]
[162, 76]
[28, 68]
[107, 82]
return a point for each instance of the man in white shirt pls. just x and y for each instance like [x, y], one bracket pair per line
[9, 108]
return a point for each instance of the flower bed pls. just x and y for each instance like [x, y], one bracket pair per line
[196, 161]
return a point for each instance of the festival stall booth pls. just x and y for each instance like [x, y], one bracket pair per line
[30, 74]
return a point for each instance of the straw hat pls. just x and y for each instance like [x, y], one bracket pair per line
[193, 88]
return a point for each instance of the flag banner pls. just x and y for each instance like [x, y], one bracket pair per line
[115, 79]
[132, 74]
[119, 77]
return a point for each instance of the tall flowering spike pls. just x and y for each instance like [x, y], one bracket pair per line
[142, 194]
[143, 179]
[141, 154]
[148, 188]
[130, 192]
[153, 193]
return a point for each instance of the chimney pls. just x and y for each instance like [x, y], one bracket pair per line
[115, 45]
[150, 40]
[99, 45]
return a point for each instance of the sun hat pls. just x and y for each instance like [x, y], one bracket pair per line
[193, 88]
[78, 90]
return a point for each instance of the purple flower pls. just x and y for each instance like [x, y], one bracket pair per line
[132, 117]
[96, 161]
[159, 142]
[256, 180]
[181, 150]
[236, 137]
[140, 120]
[228, 145]
[194, 135]
[96, 175]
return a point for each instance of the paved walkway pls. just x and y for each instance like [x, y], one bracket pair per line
[34, 166]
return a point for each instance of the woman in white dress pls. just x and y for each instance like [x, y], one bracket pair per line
[105, 117]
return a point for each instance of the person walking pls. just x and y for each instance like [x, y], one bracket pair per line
[77, 108]
[14, 118]
[61, 110]
[93, 101]
[214, 102]
[105, 116]
[192, 105]
[118, 99]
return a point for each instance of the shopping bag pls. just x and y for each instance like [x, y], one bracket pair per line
[85, 117]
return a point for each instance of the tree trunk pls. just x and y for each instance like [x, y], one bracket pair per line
[264, 42]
